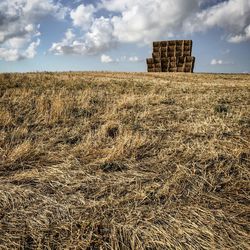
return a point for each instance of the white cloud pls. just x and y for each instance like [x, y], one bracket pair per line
[220, 62]
[136, 21]
[122, 59]
[130, 24]
[144, 21]
[106, 59]
[243, 37]
[98, 39]
[82, 16]
[216, 62]
[10, 54]
[19, 25]
[133, 59]
[233, 16]
[30, 52]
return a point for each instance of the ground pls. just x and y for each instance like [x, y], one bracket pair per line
[124, 161]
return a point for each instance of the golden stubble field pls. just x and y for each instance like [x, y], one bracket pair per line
[124, 161]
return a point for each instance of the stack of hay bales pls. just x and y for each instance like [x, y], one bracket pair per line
[171, 56]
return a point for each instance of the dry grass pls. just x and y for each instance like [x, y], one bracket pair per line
[124, 161]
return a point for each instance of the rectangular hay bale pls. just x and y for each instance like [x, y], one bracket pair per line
[156, 55]
[157, 70]
[179, 42]
[157, 65]
[164, 43]
[189, 59]
[163, 49]
[188, 69]
[156, 44]
[173, 65]
[171, 48]
[171, 54]
[151, 70]
[156, 49]
[187, 53]
[157, 60]
[181, 59]
[188, 43]
[180, 69]
[150, 66]
[173, 69]
[150, 60]
[171, 43]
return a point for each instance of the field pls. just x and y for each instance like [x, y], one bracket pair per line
[124, 161]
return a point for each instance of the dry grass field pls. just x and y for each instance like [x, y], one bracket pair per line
[124, 161]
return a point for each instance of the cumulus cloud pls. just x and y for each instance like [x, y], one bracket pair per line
[99, 27]
[220, 62]
[106, 59]
[216, 62]
[233, 16]
[131, 23]
[10, 54]
[82, 16]
[127, 21]
[99, 38]
[134, 59]
[19, 26]
[242, 37]
[134, 24]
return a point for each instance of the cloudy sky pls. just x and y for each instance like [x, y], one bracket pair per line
[117, 35]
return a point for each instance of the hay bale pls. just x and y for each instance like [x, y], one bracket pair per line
[157, 65]
[164, 64]
[156, 44]
[163, 49]
[150, 60]
[164, 43]
[165, 60]
[150, 65]
[180, 69]
[157, 70]
[178, 54]
[188, 59]
[171, 43]
[151, 70]
[178, 48]
[181, 59]
[187, 48]
[171, 48]
[173, 69]
[188, 42]
[179, 42]
[171, 54]
[164, 56]
[173, 64]
[157, 60]
[173, 59]
[188, 64]
[156, 55]
[164, 69]
[156, 49]
[187, 53]
[188, 69]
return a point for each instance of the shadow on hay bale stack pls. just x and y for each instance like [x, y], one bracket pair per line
[172, 56]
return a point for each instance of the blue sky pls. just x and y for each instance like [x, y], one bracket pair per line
[117, 35]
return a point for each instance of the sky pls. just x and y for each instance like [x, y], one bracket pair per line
[117, 35]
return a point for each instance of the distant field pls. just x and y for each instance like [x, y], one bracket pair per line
[124, 161]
